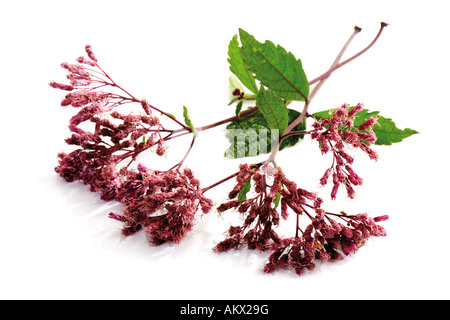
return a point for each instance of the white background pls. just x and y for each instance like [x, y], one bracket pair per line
[56, 241]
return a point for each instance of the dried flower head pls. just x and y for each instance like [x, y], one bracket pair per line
[164, 204]
[322, 239]
[338, 135]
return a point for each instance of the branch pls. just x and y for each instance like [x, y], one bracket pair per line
[326, 74]
[242, 114]
[322, 79]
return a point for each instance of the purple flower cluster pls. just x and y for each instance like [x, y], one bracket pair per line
[163, 203]
[324, 238]
[337, 134]
[260, 215]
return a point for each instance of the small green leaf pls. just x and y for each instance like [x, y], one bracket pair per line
[170, 115]
[239, 107]
[188, 122]
[275, 68]
[238, 67]
[245, 189]
[277, 199]
[273, 110]
[385, 129]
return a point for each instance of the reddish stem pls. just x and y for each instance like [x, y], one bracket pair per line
[114, 84]
[179, 164]
[242, 114]
[326, 74]
[133, 99]
[336, 65]
[297, 227]
[220, 182]
[257, 165]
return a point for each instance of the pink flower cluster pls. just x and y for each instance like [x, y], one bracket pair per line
[163, 203]
[260, 215]
[323, 239]
[338, 134]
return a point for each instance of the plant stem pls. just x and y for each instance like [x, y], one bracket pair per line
[256, 165]
[133, 99]
[113, 83]
[242, 114]
[326, 74]
[220, 182]
[179, 164]
[293, 133]
[335, 63]
[185, 127]
[321, 79]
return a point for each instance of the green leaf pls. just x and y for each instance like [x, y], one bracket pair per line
[277, 199]
[238, 67]
[275, 68]
[244, 135]
[273, 110]
[239, 107]
[242, 196]
[385, 129]
[251, 136]
[188, 122]
[170, 115]
[325, 114]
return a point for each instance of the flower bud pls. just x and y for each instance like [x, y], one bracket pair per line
[381, 218]
[368, 123]
[326, 175]
[61, 86]
[355, 110]
[90, 53]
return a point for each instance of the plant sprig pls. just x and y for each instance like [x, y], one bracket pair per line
[165, 203]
